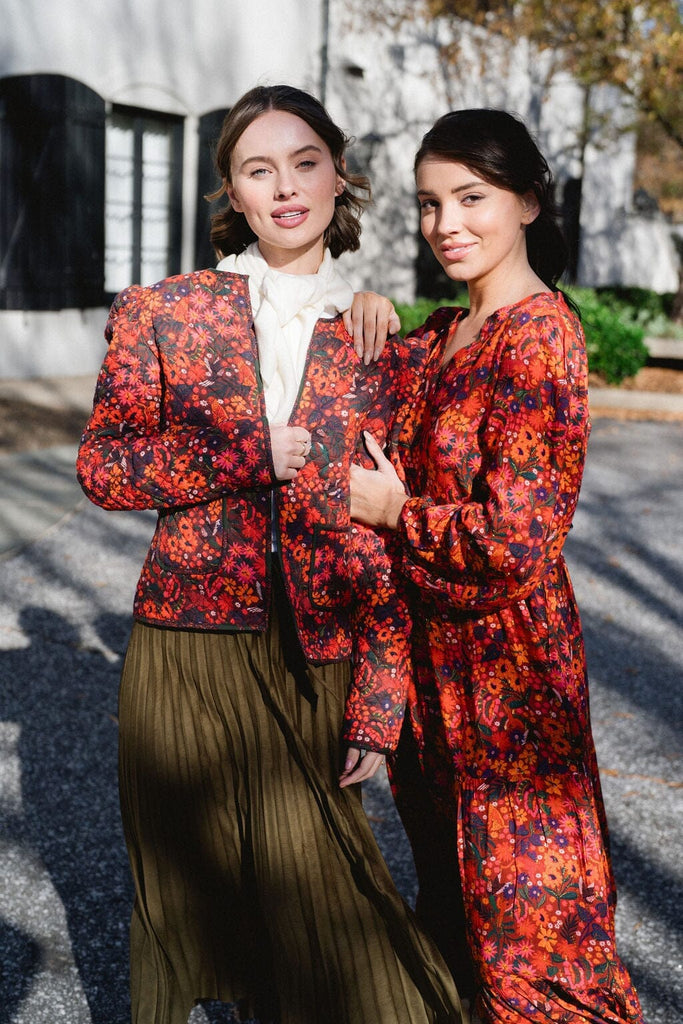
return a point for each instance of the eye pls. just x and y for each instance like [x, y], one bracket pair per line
[471, 198]
[306, 165]
[428, 204]
[258, 172]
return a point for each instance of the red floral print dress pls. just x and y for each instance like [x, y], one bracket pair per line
[493, 446]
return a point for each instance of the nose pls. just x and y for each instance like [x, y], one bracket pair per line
[284, 186]
[449, 219]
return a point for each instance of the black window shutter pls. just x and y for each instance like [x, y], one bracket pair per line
[51, 193]
[207, 181]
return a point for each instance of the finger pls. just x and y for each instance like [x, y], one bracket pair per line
[373, 448]
[353, 758]
[394, 323]
[371, 332]
[354, 326]
[382, 330]
[365, 770]
[348, 321]
[302, 441]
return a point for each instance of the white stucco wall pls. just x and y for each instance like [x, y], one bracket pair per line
[384, 87]
[172, 57]
[391, 84]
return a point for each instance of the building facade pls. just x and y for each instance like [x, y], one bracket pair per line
[107, 115]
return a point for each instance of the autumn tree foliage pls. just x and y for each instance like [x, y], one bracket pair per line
[637, 47]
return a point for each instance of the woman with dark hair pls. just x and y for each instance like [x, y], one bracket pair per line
[495, 775]
[232, 402]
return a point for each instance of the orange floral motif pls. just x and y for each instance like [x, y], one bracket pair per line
[492, 448]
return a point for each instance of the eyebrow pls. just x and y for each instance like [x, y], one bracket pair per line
[268, 159]
[454, 191]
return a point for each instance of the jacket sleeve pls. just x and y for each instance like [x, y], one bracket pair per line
[380, 618]
[130, 457]
[376, 701]
[494, 547]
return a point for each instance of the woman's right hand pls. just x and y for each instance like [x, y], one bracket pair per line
[290, 447]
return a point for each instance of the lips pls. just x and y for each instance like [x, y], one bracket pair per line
[289, 216]
[454, 253]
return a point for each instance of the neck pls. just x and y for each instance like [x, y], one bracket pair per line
[487, 296]
[291, 261]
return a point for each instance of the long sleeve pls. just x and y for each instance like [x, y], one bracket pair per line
[518, 474]
[380, 620]
[172, 425]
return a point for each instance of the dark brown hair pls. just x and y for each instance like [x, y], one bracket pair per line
[230, 231]
[497, 146]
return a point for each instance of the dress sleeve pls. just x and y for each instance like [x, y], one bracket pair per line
[494, 546]
[130, 458]
[381, 676]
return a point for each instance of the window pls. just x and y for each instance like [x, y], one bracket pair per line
[207, 182]
[143, 197]
[51, 185]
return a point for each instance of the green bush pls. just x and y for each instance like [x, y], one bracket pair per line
[650, 310]
[414, 314]
[614, 344]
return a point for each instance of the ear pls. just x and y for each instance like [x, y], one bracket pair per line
[530, 207]
[341, 182]
[234, 201]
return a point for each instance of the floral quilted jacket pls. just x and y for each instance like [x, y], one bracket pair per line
[179, 425]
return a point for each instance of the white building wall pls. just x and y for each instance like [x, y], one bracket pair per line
[619, 246]
[172, 57]
[388, 87]
[391, 85]
[166, 54]
[384, 87]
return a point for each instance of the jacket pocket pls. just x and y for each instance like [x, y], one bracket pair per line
[329, 584]
[191, 540]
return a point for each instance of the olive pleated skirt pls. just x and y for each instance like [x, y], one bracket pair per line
[258, 881]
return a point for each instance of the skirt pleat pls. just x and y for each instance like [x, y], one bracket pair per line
[258, 881]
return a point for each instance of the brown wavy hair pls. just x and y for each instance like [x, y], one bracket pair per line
[230, 232]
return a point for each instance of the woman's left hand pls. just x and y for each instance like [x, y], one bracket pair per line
[359, 766]
[370, 321]
[377, 495]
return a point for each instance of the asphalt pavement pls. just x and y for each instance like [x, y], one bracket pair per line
[67, 575]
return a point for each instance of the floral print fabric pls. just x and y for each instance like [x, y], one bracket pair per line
[179, 426]
[492, 447]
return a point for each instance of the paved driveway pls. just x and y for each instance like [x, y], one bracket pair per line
[64, 618]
